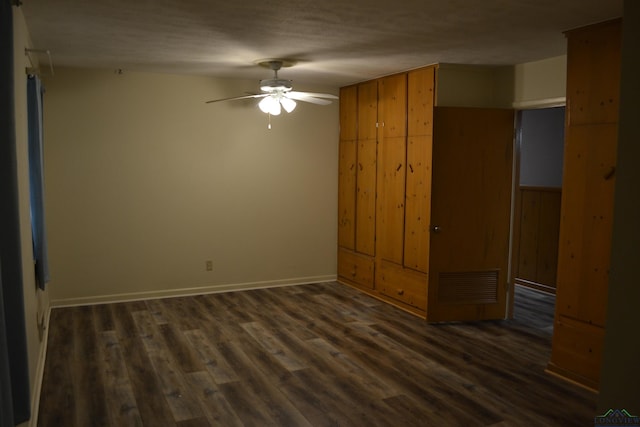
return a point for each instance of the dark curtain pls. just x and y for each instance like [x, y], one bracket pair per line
[36, 180]
[16, 391]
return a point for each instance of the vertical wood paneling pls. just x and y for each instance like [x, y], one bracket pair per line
[347, 167]
[593, 77]
[348, 113]
[393, 105]
[529, 232]
[347, 193]
[585, 234]
[391, 199]
[593, 86]
[367, 110]
[393, 184]
[366, 197]
[537, 228]
[471, 202]
[418, 203]
[549, 225]
[420, 99]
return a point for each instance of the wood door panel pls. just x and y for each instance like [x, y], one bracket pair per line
[367, 110]
[418, 203]
[594, 96]
[391, 199]
[347, 193]
[471, 205]
[420, 91]
[348, 112]
[366, 197]
[585, 228]
[393, 105]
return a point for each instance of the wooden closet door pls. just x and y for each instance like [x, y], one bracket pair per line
[420, 85]
[392, 157]
[366, 168]
[347, 158]
[471, 208]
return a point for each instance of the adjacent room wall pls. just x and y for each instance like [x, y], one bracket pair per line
[146, 182]
[460, 85]
[542, 147]
[540, 83]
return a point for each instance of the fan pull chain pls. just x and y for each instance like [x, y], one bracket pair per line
[269, 125]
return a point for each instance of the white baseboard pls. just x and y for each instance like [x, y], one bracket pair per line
[210, 289]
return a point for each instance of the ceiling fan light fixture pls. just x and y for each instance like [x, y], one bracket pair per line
[288, 104]
[275, 85]
[270, 105]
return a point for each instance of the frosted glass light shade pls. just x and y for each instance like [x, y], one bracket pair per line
[270, 104]
[288, 104]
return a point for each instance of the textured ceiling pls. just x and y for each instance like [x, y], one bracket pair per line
[335, 42]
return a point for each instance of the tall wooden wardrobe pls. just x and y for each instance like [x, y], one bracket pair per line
[593, 80]
[384, 186]
[424, 226]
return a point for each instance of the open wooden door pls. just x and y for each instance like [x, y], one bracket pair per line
[470, 213]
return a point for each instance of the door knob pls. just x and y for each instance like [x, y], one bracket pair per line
[436, 228]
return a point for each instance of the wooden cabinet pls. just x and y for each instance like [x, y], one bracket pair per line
[593, 76]
[404, 195]
[387, 195]
[384, 186]
[357, 170]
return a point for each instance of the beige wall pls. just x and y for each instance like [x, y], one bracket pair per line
[145, 182]
[35, 302]
[460, 85]
[534, 84]
[540, 83]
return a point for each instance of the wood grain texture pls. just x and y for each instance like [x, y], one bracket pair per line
[418, 203]
[420, 99]
[392, 159]
[347, 193]
[368, 110]
[471, 203]
[310, 355]
[536, 237]
[348, 113]
[392, 105]
[366, 197]
[591, 138]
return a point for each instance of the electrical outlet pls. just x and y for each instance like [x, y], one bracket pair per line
[209, 265]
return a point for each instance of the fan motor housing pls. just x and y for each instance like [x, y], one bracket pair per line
[275, 85]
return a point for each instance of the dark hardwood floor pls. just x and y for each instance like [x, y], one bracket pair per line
[319, 355]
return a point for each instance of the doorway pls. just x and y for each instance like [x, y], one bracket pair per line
[538, 191]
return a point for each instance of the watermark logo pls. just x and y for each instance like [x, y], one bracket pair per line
[617, 418]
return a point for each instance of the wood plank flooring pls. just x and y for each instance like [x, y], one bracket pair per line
[310, 355]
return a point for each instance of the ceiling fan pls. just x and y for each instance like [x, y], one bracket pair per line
[277, 93]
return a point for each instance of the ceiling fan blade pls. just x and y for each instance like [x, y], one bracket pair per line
[233, 98]
[311, 99]
[312, 94]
